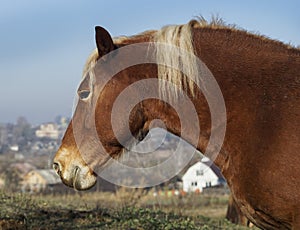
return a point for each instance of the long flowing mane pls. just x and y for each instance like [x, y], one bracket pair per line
[181, 37]
[184, 72]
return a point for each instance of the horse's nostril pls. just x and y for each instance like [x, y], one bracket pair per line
[56, 167]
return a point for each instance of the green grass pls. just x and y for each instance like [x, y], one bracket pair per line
[104, 211]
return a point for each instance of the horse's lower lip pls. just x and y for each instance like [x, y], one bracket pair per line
[79, 179]
[75, 178]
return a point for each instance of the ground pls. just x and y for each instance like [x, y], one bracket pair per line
[133, 209]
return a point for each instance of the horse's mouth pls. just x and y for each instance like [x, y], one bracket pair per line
[80, 179]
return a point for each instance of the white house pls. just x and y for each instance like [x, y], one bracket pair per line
[201, 175]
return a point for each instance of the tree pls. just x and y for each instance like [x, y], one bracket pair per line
[22, 132]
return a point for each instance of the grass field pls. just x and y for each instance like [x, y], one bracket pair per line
[126, 209]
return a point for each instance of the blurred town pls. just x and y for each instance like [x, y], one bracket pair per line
[27, 151]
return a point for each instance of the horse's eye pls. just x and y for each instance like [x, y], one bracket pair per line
[83, 94]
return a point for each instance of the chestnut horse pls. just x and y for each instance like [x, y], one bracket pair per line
[260, 82]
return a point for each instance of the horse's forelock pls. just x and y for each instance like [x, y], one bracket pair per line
[90, 62]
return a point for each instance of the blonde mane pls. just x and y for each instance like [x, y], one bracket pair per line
[180, 59]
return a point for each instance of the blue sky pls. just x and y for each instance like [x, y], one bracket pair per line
[44, 44]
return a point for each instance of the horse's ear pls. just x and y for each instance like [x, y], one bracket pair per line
[104, 41]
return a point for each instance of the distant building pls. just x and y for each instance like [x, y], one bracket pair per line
[14, 148]
[49, 130]
[202, 175]
[41, 180]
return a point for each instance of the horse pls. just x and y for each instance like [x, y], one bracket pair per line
[259, 81]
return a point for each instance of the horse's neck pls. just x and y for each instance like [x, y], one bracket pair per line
[250, 73]
[239, 65]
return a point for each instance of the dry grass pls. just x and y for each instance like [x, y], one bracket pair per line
[126, 209]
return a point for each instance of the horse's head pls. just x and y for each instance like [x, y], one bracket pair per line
[89, 142]
[124, 89]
